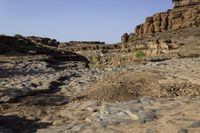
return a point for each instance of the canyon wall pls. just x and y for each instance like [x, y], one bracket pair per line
[185, 14]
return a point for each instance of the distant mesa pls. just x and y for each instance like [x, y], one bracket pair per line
[81, 45]
[86, 42]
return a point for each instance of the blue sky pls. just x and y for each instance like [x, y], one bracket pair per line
[65, 20]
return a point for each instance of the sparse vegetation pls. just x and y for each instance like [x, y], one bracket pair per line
[138, 53]
[94, 60]
[18, 36]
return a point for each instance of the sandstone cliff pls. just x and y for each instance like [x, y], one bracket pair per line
[178, 3]
[185, 14]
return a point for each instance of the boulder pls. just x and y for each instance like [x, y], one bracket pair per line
[124, 38]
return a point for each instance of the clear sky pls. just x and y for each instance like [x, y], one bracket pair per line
[65, 20]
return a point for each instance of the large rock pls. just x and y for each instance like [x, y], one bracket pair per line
[124, 38]
[148, 26]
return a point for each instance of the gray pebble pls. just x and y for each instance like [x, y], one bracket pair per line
[196, 124]
[182, 130]
[148, 130]
[147, 116]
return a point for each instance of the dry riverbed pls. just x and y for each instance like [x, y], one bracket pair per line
[38, 95]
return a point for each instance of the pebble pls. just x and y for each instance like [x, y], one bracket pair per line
[182, 130]
[196, 124]
[148, 130]
[147, 116]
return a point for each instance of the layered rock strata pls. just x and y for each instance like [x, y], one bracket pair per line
[184, 15]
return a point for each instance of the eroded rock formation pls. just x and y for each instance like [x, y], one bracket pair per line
[178, 3]
[185, 14]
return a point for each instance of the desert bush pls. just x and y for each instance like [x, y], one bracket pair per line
[94, 59]
[18, 36]
[138, 53]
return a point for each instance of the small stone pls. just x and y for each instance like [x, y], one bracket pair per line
[182, 130]
[147, 116]
[58, 122]
[196, 124]
[148, 130]
[145, 101]
[88, 120]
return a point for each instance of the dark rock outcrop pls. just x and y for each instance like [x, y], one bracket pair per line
[44, 41]
[18, 44]
[124, 38]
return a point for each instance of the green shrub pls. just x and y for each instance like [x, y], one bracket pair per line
[138, 53]
[18, 36]
[94, 60]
